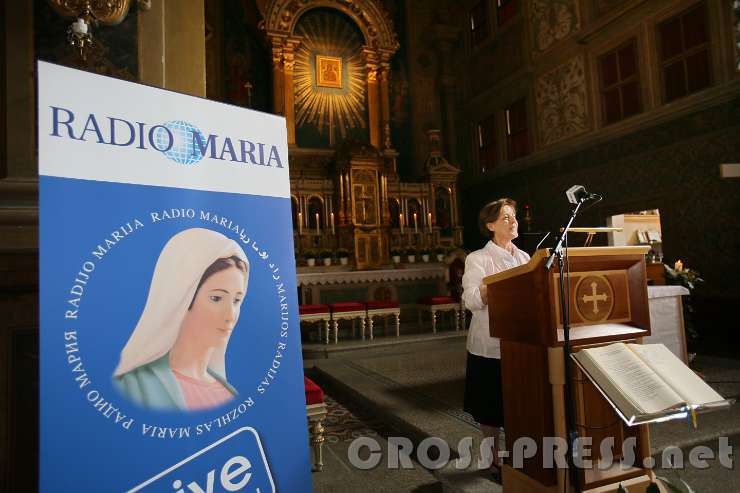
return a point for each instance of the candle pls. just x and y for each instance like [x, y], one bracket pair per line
[331, 218]
[318, 229]
[300, 223]
[678, 265]
[416, 226]
[400, 221]
[429, 219]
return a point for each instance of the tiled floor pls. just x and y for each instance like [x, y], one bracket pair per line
[416, 390]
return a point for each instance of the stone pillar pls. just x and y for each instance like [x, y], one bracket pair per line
[373, 104]
[19, 93]
[172, 48]
[18, 165]
[278, 98]
[289, 98]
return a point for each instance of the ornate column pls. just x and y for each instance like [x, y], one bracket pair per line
[289, 98]
[373, 106]
[278, 105]
[385, 104]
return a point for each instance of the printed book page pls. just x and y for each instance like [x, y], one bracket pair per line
[676, 374]
[630, 379]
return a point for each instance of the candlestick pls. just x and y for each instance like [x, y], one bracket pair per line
[416, 226]
[300, 223]
[678, 265]
[429, 219]
[318, 228]
[331, 218]
[400, 221]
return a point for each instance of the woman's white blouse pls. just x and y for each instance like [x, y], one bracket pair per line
[481, 263]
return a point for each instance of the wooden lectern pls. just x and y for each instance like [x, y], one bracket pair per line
[608, 302]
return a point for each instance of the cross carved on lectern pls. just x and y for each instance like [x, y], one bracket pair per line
[595, 298]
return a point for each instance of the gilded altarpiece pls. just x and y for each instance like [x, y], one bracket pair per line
[333, 79]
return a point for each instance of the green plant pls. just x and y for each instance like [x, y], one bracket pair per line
[440, 250]
[342, 252]
[410, 251]
[310, 253]
[689, 279]
[425, 251]
[326, 254]
[397, 252]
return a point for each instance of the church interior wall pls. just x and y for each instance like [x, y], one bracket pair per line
[547, 53]
[665, 156]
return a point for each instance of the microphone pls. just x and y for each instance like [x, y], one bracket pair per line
[578, 193]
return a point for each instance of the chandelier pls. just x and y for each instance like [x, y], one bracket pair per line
[87, 13]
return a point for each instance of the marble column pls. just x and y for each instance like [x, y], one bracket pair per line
[171, 46]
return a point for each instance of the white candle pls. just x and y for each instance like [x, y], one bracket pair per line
[429, 219]
[300, 223]
[318, 229]
[331, 218]
[678, 265]
[416, 225]
[400, 221]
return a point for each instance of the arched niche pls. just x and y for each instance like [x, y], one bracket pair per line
[294, 209]
[442, 211]
[315, 211]
[370, 17]
[413, 206]
[394, 209]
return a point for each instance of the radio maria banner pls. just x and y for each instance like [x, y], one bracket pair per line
[169, 339]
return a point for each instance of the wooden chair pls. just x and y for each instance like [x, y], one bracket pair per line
[316, 412]
[435, 304]
[351, 310]
[383, 309]
[316, 313]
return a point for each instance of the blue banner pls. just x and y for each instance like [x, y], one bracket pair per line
[170, 345]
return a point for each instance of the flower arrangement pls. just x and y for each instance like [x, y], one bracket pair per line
[689, 279]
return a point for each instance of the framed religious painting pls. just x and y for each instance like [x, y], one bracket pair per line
[328, 71]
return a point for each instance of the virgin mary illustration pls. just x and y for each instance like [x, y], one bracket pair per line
[175, 357]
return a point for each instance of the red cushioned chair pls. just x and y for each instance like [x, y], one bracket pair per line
[435, 304]
[383, 309]
[350, 310]
[316, 313]
[316, 412]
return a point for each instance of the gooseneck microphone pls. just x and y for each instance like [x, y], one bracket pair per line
[578, 193]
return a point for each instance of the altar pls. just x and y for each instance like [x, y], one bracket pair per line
[404, 283]
[666, 319]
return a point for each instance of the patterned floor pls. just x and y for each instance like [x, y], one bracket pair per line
[342, 425]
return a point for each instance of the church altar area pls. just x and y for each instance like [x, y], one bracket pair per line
[402, 282]
[666, 319]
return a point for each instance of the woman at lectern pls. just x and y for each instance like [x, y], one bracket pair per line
[483, 391]
[175, 357]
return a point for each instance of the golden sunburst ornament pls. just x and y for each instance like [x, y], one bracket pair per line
[329, 80]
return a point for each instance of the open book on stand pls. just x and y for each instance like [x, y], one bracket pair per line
[646, 382]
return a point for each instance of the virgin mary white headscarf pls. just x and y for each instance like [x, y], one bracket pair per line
[176, 277]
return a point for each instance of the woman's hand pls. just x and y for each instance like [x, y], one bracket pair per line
[483, 293]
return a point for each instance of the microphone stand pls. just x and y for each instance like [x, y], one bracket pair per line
[570, 414]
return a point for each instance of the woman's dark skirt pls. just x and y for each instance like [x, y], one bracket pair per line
[483, 394]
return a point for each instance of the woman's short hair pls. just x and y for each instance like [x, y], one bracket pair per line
[490, 212]
[217, 266]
